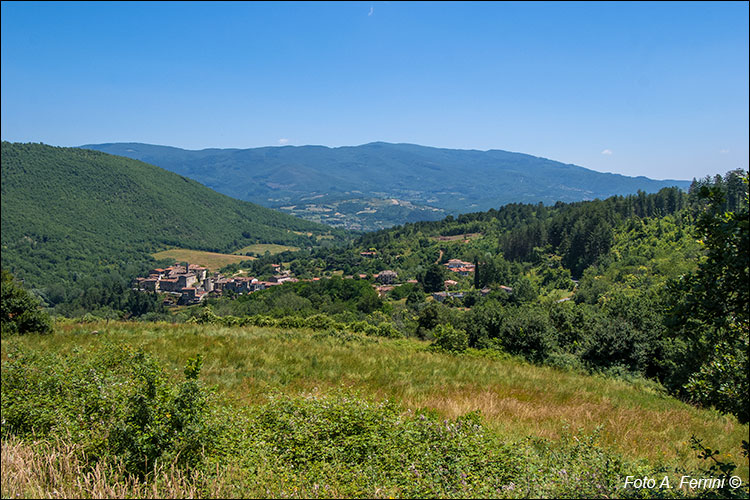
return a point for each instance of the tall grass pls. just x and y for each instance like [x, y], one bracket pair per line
[45, 470]
[516, 399]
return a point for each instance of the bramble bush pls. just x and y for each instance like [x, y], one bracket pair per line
[450, 339]
[116, 405]
[358, 446]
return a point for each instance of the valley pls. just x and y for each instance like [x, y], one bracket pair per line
[379, 185]
[387, 250]
[571, 337]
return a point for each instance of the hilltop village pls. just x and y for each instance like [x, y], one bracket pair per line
[193, 283]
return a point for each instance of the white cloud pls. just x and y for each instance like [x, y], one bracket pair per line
[372, 9]
[723, 151]
[283, 141]
[607, 152]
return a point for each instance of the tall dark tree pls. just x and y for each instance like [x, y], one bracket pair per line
[433, 278]
[477, 280]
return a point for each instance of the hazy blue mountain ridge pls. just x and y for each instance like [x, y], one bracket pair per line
[435, 181]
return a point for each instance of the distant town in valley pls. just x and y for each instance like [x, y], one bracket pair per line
[192, 283]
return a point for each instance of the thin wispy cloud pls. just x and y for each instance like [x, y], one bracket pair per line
[723, 151]
[372, 9]
[283, 141]
[607, 152]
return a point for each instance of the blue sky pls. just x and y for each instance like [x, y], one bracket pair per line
[654, 89]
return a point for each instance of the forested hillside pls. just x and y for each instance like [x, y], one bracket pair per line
[69, 213]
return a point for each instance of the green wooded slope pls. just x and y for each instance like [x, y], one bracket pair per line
[68, 212]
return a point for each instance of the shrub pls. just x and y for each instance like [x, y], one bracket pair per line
[577, 466]
[291, 322]
[20, 311]
[117, 404]
[450, 339]
[388, 330]
[355, 445]
[529, 333]
[363, 327]
[343, 336]
[206, 317]
[161, 422]
[261, 320]
[319, 322]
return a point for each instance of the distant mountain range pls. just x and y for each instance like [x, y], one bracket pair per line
[380, 184]
[70, 212]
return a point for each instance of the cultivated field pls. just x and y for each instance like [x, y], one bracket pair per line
[213, 261]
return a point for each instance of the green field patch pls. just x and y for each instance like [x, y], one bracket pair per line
[212, 260]
[456, 237]
[261, 248]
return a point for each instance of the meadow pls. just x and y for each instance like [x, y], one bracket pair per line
[261, 248]
[540, 418]
[212, 260]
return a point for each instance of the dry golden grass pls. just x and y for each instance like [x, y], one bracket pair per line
[213, 261]
[42, 470]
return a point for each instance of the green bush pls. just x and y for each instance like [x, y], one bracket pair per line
[388, 330]
[117, 404]
[528, 332]
[291, 322]
[450, 339]
[20, 311]
[343, 336]
[577, 466]
[363, 327]
[319, 322]
[358, 446]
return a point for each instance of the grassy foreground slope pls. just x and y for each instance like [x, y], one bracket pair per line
[68, 212]
[516, 401]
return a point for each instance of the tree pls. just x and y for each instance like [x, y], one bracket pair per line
[477, 281]
[20, 311]
[433, 278]
[709, 308]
